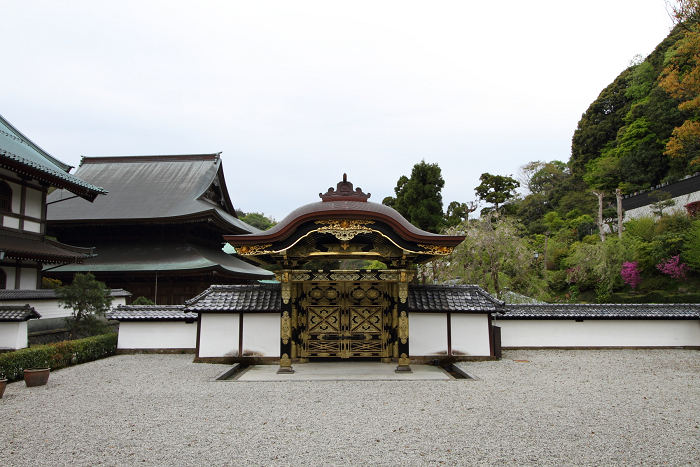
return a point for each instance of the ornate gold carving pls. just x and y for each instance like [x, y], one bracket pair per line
[403, 291]
[302, 250]
[387, 251]
[286, 292]
[294, 349]
[395, 354]
[300, 277]
[345, 277]
[438, 250]
[403, 327]
[345, 247]
[321, 277]
[285, 360]
[345, 229]
[389, 276]
[286, 328]
[403, 360]
[248, 250]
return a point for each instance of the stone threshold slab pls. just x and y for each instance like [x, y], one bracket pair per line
[343, 371]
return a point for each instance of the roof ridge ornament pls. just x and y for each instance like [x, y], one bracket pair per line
[344, 192]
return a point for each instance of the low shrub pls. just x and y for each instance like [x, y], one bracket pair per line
[56, 356]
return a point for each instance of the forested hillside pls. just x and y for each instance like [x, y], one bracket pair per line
[560, 239]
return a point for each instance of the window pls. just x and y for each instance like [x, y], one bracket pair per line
[5, 197]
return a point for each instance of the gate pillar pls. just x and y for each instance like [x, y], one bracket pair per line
[286, 326]
[402, 340]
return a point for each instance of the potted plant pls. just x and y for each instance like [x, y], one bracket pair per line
[3, 384]
[36, 376]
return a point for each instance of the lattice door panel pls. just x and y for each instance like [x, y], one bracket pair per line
[324, 319]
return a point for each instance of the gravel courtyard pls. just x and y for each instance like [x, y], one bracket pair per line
[575, 407]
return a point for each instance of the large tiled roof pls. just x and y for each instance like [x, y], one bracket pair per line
[46, 294]
[451, 298]
[601, 311]
[39, 248]
[171, 257]
[151, 189]
[20, 154]
[17, 313]
[250, 298]
[151, 313]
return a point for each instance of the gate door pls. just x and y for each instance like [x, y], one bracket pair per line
[346, 319]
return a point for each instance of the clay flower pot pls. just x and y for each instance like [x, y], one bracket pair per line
[3, 385]
[36, 376]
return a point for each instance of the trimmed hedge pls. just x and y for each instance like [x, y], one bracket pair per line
[56, 356]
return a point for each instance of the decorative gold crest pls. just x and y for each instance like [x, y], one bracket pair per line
[344, 229]
[286, 328]
[403, 327]
[403, 360]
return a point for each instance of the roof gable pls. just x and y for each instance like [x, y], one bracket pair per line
[19, 154]
[153, 188]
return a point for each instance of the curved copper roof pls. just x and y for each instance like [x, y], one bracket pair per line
[353, 205]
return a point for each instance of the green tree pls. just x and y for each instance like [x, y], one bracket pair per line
[419, 198]
[494, 255]
[599, 264]
[88, 298]
[496, 189]
[257, 220]
[143, 301]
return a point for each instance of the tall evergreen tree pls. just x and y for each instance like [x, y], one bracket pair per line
[419, 198]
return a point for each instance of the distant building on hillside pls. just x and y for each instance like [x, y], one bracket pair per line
[683, 192]
[159, 232]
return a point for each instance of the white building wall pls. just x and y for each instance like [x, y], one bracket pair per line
[218, 335]
[50, 308]
[470, 335]
[427, 333]
[680, 202]
[157, 335]
[10, 282]
[261, 335]
[16, 195]
[32, 207]
[28, 279]
[13, 335]
[599, 333]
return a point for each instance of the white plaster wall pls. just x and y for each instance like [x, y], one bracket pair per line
[32, 208]
[10, 273]
[11, 222]
[470, 334]
[31, 226]
[218, 335]
[157, 335]
[28, 279]
[599, 333]
[647, 210]
[261, 335]
[49, 308]
[16, 196]
[427, 333]
[13, 335]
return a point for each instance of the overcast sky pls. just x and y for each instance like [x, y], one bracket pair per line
[294, 94]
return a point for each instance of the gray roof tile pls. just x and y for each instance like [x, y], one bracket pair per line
[451, 298]
[602, 311]
[20, 149]
[151, 313]
[45, 294]
[18, 313]
[250, 298]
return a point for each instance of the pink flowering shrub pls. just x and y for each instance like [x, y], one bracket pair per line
[630, 273]
[674, 268]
